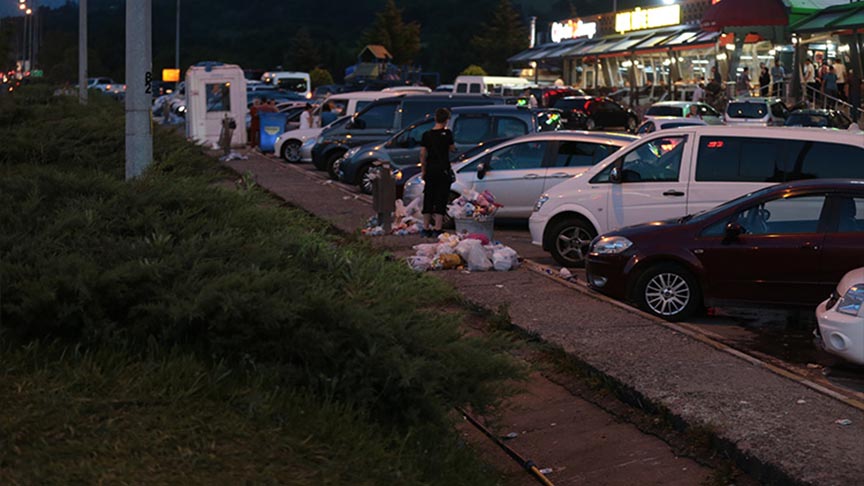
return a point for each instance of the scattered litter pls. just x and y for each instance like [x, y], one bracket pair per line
[801, 402]
[511, 435]
[461, 252]
[813, 366]
[546, 470]
[327, 182]
[406, 220]
[566, 274]
[233, 156]
[345, 198]
[472, 204]
[553, 424]
[843, 422]
[500, 286]
[744, 402]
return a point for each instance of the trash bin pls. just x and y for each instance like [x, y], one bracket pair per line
[272, 125]
[484, 226]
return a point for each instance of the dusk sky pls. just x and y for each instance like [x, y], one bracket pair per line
[10, 7]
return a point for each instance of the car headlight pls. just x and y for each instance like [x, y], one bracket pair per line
[850, 304]
[540, 202]
[611, 245]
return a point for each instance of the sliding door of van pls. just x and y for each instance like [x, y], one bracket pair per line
[652, 183]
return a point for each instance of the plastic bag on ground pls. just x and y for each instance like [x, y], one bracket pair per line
[504, 259]
[484, 240]
[426, 249]
[464, 247]
[477, 259]
[420, 263]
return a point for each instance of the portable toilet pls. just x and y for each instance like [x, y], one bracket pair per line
[214, 90]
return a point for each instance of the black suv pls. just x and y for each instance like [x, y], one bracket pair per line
[589, 113]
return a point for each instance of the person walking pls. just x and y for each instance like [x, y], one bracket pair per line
[742, 86]
[255, 123]
[764, 80]
[808, 76]
[853, 93]
[306, 117]
[435, 148]
[829, 86]
[778, 75]
[840, 71]
[699, 92]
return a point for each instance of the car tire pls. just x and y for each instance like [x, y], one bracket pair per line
[330, 166]
[590, 124]
[570, 239]
[632, 124]
[291, 151]
[363, 179]
[668, 291]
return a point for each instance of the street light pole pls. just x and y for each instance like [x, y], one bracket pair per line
[82, 52]
[139, 82]
[177, 39]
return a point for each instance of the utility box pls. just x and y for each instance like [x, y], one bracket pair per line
[214, 90]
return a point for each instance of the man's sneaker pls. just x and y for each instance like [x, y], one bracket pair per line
[425, 233]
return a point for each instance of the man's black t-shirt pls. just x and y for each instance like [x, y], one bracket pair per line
[437, 144]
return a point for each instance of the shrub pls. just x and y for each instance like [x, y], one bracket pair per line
[473, 70]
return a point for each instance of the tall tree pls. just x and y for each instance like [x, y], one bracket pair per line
[400, 38]
[504, 35]
[302, 54]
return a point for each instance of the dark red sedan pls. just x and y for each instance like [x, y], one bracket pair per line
[784, 245]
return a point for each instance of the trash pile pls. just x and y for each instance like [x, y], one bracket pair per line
[407, 220]
[473, 252]
[474, 205]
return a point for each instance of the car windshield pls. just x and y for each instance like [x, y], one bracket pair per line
[806, 120]
[747, 110]
[709, 213]
[664, 111]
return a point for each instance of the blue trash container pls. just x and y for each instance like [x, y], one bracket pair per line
[272, 125]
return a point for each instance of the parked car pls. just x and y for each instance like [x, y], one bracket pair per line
[547, 96]
[106, 85]
[841, 316]
[381, 120]
[651, 125]
[756, 112]
[818, 118]
[672, 173]
[470, 126]
[296, 146]
[516, 172]
[784, 245]
[591, 113]
[681, 109]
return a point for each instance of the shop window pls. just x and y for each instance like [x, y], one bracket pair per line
[218, 97]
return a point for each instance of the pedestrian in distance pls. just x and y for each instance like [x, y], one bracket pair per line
[435, 149]
[306, 117]
[840, 71]
[778, 75]
[699, 92]
[255, 123]
[764, 80]
[530, 99]
[715, 75]
[829, 86]
[742, 86]
[327, 114]
[808, 75]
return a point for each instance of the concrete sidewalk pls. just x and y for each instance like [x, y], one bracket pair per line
[780, 430]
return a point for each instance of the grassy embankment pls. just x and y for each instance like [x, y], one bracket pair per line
[172, 330]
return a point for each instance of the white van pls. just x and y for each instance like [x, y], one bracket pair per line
[297, 82]
[296, 145]
[493, 85]
[673, 173]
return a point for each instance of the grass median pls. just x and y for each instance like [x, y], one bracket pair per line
[144, 293]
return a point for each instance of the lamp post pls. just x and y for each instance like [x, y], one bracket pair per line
[82, 52]
[139, 135]
[177, 39]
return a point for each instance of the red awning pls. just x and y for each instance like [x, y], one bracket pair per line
[744, 13]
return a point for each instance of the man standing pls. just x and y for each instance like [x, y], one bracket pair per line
[808, 76]
[829, 86]
[764, 79]
[699, 92]
[777, 78]
[306, 117]
[840, 71]
[742, 87]
[435, 149]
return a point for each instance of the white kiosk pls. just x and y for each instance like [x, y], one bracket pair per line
[214, 90]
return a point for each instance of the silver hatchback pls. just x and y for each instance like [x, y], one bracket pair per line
[765, 112]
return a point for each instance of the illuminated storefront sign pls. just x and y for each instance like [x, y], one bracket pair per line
[572, 29]
[649, 18]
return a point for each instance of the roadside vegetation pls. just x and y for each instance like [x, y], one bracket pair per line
[180, 329]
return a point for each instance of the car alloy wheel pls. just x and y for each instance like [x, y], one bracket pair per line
[668, 291]
[571, 241]
[331, 165]
[590, 124]
[291, 151]
[366, 179]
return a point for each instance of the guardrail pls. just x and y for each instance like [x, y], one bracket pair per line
[816, 97]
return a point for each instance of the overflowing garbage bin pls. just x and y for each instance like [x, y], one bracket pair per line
[272, 125]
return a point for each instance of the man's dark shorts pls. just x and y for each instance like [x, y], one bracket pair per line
[436, 194]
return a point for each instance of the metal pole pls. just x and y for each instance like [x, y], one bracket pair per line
[82, 52]
[37, 22]
[26, 56]
[177, 39]
[139, 136]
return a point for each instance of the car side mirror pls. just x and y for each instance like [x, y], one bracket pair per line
[482, 168]
[733, 231]
[615, 175]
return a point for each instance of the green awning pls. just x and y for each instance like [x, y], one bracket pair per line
[839, 17]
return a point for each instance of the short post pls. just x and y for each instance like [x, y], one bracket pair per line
[82, 52]
[226, 134]
[384, 195]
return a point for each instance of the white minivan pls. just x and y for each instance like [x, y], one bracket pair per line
[673, 173]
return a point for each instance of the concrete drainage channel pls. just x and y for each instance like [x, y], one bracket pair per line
[770, 470]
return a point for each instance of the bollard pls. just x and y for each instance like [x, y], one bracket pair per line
[227, 133]
[384, 195]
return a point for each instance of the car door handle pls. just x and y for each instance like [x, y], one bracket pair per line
[560, 175]
[673, 192]
[530, 176]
